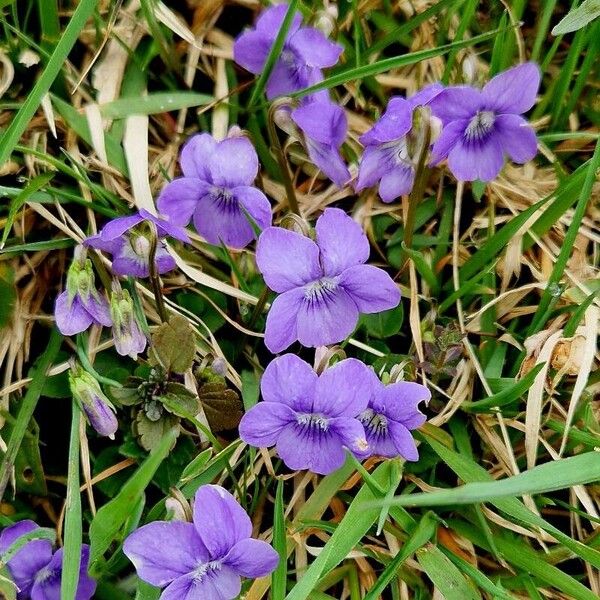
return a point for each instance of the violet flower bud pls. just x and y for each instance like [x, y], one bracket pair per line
[97, 407]
[127, 334]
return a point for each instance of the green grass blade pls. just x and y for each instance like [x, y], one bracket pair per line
[279, 577]
[159, 102]
[19, 123]
[73, 527]
[27, 406]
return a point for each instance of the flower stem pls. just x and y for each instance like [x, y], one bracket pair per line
[154, 278]
[260, 305]
[283, 165]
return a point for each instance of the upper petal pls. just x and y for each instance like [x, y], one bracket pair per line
[395, 123]
[163, 551]
[117, 227]
[251, 49]
[327, 318]
[98, 308]
[289, 380]
[426, 94]
[329, 160]
[287, 259]
[252, 558]
[195, 156]
[457, 102]
[262, 424]
[324, 122]
[219, 520]
[281, 329]
[312, 45]
[516, 137]
[270, 21]
[165, 226]
[341, 240]
[399, 402]
[513, 90]
[71, 317]
[371, 288]
[234, 162]
[345, 389]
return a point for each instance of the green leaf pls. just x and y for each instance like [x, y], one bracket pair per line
[450, 582]
[110, 519]
[180, 401]
[384, 324]
[578, 17]
[159, 102]
[173, 345]
[222, 406]
[151, 433]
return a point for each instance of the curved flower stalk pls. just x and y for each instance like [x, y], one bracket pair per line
[96, 406]
[217, 191]
[310, 418]
[36, 570]
[324, 125]
[80, 305]
[390, 416]
[388, 158]
[203, 560]
[129, 240]
[481, 127]
[305, 52]
[324, 284]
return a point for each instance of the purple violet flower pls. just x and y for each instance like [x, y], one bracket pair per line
[391, 414]
[216, 191]
[310, 418]
[324, 125]
[80, 305]
[97, 407]
[305, 52]
[36, 571]
[480, 127]
[387, 157]
[203, 560]
[323, 284]
[129, 240]
[127, 334]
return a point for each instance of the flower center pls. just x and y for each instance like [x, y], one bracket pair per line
[397, 152]
[375, 422]
[204, 569]
[313, 421]
[480, 125]
[141, 246]
[47, 574]
[320, 289]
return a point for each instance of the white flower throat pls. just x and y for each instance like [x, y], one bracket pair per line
[480, 125]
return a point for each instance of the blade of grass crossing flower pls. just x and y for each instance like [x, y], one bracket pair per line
[27, 406]
[279, 577]
[273, 54]
[386, 64]
[567, 246]
[448, 580]
[17, 127]
[73, 526]
[422, 533]
[111, 517]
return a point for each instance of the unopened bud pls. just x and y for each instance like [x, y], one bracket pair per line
[96, 406]
[127, 334]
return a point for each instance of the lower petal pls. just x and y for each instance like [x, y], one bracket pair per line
[281, 327]
[351, 432]
[97, 307]
[164, 261]
[252, 558]
[263, 423]
[374, 164]
[222, 222]
[451, 135]
[217, 584]
[71, 317]
[397, 182]
[403, 440]
[327, 319]
[301, 447]
[517, 137]
[371, 288]
[476, 160]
